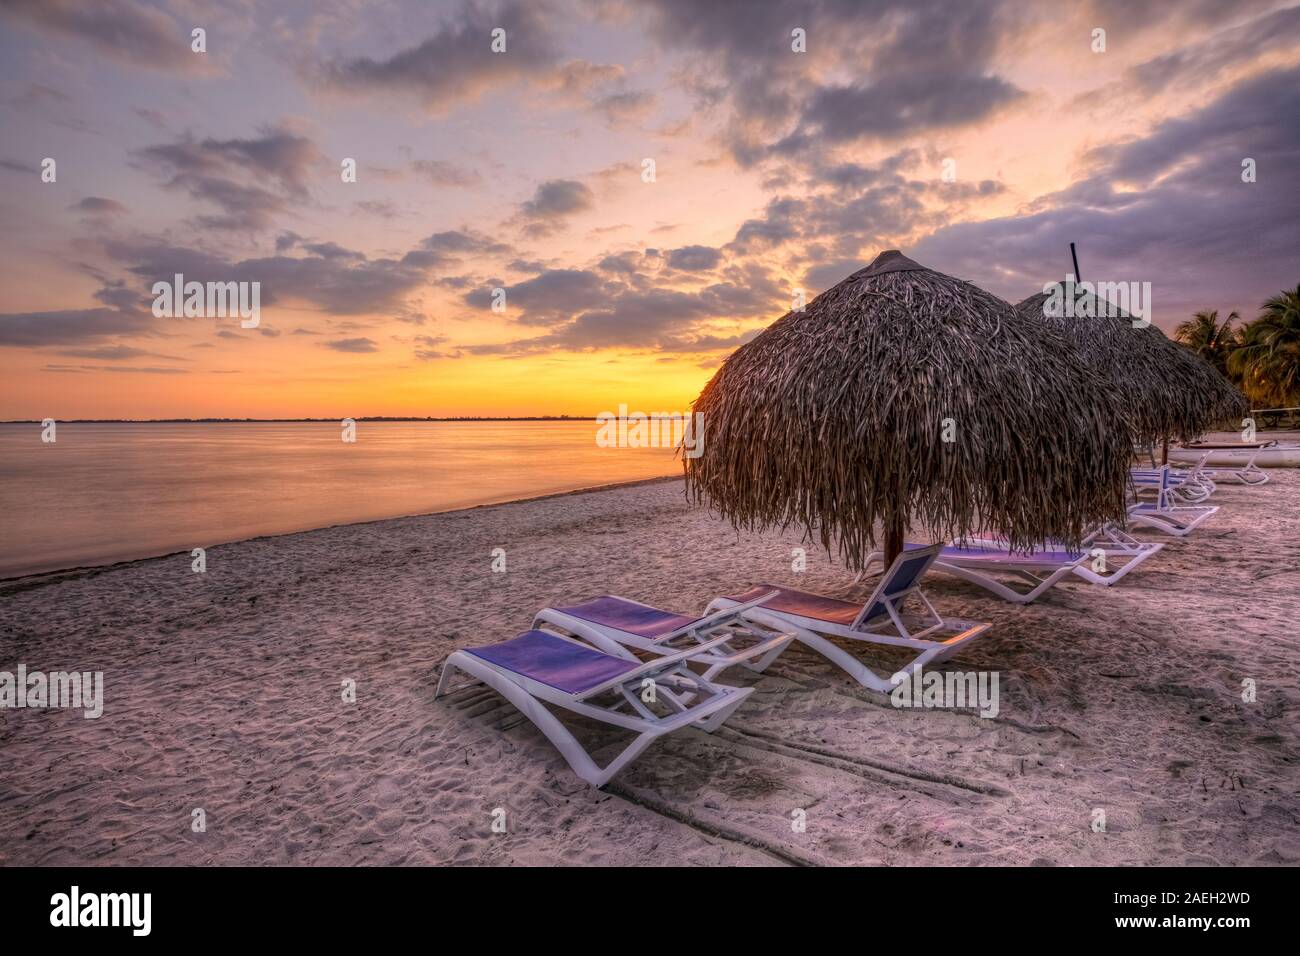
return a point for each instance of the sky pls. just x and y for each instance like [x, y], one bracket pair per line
[650, 183]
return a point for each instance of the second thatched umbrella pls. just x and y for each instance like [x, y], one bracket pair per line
[904, 397]
[1164, 389]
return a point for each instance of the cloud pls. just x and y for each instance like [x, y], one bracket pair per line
[456, 64]
[558, 198]
[429, 348]
[127, 369]
[646, 317]
[1199, 64]
[917, 65]
[338, 285]
[98, 206]
[694, 258]
[37, 329]
[382, 208]
[1184, 221]
[153, 117]
[332, 250]
[600, 87]
[547, 298]
[234, 174]
[443, 173]
[464, 241]
[356, 345]
[115, 353]
[14, 166]
[131, 33]
[894, 106]
[625, 106]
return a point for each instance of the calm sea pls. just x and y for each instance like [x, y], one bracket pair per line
[112, 492]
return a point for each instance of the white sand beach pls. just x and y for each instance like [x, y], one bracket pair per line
[223, 693]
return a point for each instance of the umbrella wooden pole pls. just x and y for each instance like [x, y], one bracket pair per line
[893, 543]
[1164, 452]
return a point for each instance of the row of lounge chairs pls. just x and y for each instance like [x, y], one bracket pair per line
[651, 671]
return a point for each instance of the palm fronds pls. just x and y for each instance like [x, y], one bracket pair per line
[835, 418]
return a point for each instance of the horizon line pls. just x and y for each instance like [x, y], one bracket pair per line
[355, 418]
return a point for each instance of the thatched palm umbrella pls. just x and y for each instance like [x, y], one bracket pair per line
[1165, 390]
[836, 416]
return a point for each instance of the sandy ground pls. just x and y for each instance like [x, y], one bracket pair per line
[223, 693]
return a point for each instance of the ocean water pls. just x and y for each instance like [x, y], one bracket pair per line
[113, 492]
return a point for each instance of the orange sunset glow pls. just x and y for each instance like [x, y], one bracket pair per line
[775, 172]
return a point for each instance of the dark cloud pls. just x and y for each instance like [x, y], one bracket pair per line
[1127, 16]
[694, 258]
[37, 329]
[1203, 62]
[917, 65]
[895, 106]
[450, 246]
[356, 345]
[98, 206]
[135, 34]
[1185, 221]
[127, 369]
[456, 64]
[332, 250]
[554, 201]
[453, 242]
[108, 352]
[14, 166]
[642, 316]
[234, 174]
[341, 286]
[548, 298]
[624, 263]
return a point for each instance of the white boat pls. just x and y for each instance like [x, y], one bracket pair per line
[1263, 454]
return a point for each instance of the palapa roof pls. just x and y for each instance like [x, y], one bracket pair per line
[834, 417]
[1165, 390]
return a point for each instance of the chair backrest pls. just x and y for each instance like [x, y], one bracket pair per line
[901, 579]
[1195, 470]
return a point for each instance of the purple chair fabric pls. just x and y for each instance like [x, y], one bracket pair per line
[996, 555]
[553, 661]
[802, 603]
[834, 611]
[628, 616]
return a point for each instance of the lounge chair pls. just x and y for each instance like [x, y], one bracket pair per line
[538, 668]
[614, 624]
[1245, 474]
[814, 619]
[978, 562]
[1119, 552]
[1173, 487]
[1177, 520]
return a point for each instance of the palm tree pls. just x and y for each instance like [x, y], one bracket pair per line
[1267, 358]
[1209, 339]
